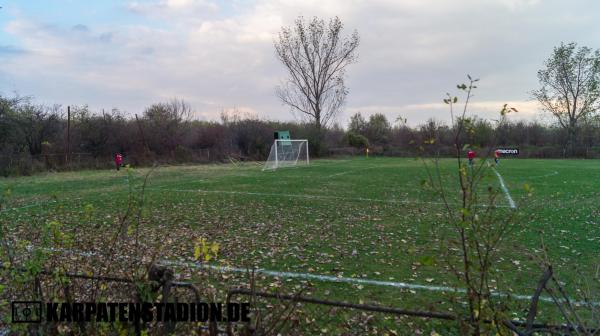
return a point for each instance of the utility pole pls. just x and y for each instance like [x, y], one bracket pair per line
[146, 148]
[68, 146]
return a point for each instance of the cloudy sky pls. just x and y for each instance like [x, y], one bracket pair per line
[219, 55]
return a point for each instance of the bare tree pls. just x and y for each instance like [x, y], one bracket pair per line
[569, 87]
[38, 123]
[316, 56]
[167, 123]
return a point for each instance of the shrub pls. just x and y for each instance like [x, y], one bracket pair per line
[357, 140]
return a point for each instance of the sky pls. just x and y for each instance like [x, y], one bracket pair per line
[219, 55]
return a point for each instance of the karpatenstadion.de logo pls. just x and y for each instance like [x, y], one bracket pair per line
[36, 312]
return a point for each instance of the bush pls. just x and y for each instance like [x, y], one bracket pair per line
[183, 154]
[357, 140]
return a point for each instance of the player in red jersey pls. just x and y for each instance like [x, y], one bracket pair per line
[118, 160]
[471, 157]
[497, 156]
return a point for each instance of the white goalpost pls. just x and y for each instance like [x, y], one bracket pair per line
[287, 153]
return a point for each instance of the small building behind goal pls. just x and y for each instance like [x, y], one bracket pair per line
[287, 152]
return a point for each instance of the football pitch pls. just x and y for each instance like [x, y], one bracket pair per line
[353, 229]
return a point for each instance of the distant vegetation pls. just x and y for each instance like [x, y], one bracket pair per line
[570, 89]
[34, 137]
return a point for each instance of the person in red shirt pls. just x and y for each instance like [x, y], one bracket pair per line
[118, 160]
[471, 156]
[497, 156]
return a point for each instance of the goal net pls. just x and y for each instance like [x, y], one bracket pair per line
[287, 153]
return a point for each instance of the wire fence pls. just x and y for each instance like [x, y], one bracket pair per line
[27, 164]
[277, 311]
[280, 306]
[17, 164]
[539, 152]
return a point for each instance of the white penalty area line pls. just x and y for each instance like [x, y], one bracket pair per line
[505, 190]
[320, 277]
[545, 175]
[352, 171]
[356, 199]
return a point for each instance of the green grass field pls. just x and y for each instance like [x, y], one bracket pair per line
[355, 218]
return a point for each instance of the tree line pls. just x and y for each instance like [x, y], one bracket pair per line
[37, 137]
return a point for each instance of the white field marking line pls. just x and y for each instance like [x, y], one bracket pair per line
[329, 278]
[505, 190]
[351, 171]
[545, 175]
[68, 199]
[29, 205]
[366, 168]
[319, 277]
[41, 203]
[358, 199]
[331, 162]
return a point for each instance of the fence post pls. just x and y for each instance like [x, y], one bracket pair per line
[164, 276]
[587, 152]
[166, 290]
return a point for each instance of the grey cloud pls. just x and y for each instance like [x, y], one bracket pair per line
[412, 53]
[106, 37]
[81, 28]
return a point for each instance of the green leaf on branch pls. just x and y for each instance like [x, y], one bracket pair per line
[465, 212]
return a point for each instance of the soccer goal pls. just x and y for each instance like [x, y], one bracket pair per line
[287, 153]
